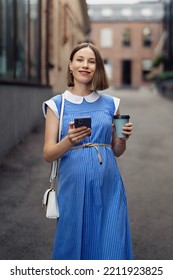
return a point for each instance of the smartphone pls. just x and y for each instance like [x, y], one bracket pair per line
[82, 121]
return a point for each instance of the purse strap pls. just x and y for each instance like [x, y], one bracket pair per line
[55, 163]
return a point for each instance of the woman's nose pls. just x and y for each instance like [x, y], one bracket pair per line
[85, 63]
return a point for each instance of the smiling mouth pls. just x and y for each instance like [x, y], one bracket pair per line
[84, 72]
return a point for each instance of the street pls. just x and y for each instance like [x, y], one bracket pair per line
[146, 168]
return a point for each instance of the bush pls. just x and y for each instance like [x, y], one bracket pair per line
[161, 76]
[158, 60]
[165, 75]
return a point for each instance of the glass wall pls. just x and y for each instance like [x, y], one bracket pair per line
[19, 40]
[34, 39]
[21, 59]
[6, 38]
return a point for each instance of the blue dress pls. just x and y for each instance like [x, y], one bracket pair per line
[93, 222]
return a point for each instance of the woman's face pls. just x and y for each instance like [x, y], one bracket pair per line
[83, 66]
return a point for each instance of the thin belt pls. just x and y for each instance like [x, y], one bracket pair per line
[94, 145]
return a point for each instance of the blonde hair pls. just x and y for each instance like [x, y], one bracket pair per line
[100, 79]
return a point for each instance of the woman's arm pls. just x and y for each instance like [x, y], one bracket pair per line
[53, 150]
[119, 144]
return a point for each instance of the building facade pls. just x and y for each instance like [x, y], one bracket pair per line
[127, 36]
[67, 24]
[36, 38]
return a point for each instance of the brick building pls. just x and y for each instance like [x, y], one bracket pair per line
[127, 36]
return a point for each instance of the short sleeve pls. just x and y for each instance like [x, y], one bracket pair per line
[52, 105]
[116, 103]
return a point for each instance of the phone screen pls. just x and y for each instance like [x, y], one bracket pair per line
[82, 121]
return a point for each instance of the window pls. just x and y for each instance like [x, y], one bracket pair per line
[90, 12]
[147, 37]
[126, 38]
[146, 12]
[108, 68]
[126, 12]
[106, 38]
[146, 68]
[107, 12]
[19, 40]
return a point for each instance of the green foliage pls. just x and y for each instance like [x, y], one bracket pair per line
[161, 76]
[158, 60]
[165, 75]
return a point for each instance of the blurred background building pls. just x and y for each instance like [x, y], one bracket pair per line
[127, 35]
[36, 38]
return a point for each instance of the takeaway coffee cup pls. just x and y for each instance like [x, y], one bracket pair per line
[120, 121]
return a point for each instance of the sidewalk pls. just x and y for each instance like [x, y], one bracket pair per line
[25, 232]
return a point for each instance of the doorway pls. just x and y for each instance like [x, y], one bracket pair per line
[126, 72]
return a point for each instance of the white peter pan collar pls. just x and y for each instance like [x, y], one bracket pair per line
[76, 99]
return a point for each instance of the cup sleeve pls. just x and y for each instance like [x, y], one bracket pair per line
[51, 104]
[116, 103]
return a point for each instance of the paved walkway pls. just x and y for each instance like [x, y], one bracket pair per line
[146, 168]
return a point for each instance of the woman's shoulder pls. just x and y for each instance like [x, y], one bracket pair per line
[57, 98]
[112, 100]
[108, 96]
[53, 103]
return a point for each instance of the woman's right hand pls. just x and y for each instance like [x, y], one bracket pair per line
[76, 135]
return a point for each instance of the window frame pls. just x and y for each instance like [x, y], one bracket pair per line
[147, 40]
[109, 39]
[126, 34]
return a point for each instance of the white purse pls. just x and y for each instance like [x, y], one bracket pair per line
[51, 204]
[49, 201]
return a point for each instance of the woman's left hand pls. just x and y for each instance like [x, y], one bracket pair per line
[127, 130]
